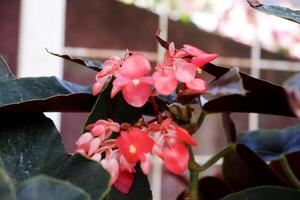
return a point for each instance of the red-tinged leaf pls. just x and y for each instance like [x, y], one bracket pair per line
[242, 168]
[94, 65]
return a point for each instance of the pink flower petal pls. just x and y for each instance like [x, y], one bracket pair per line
[165, 82]
[193, 51]
[146, 165]
[185, 72]
[124, 182]
[94, 145]
[197, 85]
[136, 94]
[97, 87]
[112, 166]
[84, 141]
[185, 136]
[115, 89]
[200, 61]
[135, 66]
[176, 158]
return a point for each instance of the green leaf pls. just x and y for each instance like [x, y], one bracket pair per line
[44, 94]
[285, 13]
[47, 188]
[31, 145]
[5, 73]
[113, 108]
[271, 144]
[94, 65]
[261, 96]
[7, 190]
[86, 174]
[242, 168]
[265, 193]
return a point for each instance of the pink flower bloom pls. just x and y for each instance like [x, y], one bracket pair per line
[165, 81]
[134, 144]
[132, 80]
[103, 128]
[110, 66]
[111, 164]
[185, 71]
[84, 141]
[146, 164]
[199, 57]
[197, 86]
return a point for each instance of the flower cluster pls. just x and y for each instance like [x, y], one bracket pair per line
[135, 144]
[132, 74]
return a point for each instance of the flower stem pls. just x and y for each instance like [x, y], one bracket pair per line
[215, 158]
[288, 171]
[193, 193]
[155, 107]
[199, 122]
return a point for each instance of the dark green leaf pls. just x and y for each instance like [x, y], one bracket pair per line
[44, 94]
[265, 193]
[86, 174]
[261, 96]
[7, 190]
[113, 108]
[94, 65]
[270, 144]
[5, 73]
[31, 145]
[46, 188]
[285, 13]
[242, 168]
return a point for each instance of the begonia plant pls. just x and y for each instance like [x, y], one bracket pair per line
[139, 111]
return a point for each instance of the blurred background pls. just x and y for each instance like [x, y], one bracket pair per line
[263, 46]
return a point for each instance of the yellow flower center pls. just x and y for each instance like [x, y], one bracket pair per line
[132, 149]
[199, 71]
[135, 81]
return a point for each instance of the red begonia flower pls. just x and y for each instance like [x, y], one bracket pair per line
[134, 144]
[185, 136]
[176, 157]
[132, 80]
[124, 182]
